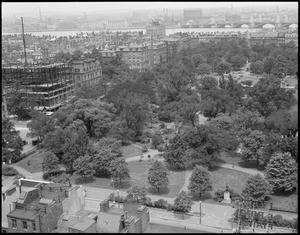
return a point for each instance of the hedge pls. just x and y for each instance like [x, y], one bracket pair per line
[9, 171]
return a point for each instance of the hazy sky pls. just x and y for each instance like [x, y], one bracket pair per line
[68, 7]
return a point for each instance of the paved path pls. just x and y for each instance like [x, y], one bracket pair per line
[27, 174]
[238, 168]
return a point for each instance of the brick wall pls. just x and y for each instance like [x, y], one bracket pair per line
[50, 219]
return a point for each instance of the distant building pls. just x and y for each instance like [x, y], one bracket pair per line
[155, 29]
[172, 45]
[192, 14]
[86, 71]
[4, 105]
[292, 36]
[157, 53]
[135, 55]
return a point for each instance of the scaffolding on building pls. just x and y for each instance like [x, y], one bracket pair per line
[47, 87]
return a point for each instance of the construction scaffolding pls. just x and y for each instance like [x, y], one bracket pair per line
[46, 86]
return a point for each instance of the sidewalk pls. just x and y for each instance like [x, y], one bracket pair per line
[238, 168]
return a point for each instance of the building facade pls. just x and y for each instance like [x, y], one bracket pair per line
[86, 71]
[135, 55]
[157, 53]
[45, 86]
[156, 30]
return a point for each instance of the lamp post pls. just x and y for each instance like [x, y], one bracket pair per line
[118, 191]
[200, 210]
[112, 180]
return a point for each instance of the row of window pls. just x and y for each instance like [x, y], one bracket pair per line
[25, 224]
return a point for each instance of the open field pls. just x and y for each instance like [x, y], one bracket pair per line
[139, 174]
[130, 151]
[35, 161]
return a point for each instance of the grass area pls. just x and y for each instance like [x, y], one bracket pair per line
[139, 177]
[220, 177]
[285, 200]
[130, 151]
[35, 160]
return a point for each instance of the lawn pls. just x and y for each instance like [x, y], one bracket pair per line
[131, 151]
[220, 177]
[35, 161]
[139, 173]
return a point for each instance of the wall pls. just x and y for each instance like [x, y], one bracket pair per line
[50, 219]
[19, 228]
[75, 201]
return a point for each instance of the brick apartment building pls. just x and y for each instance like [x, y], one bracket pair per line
[156, 30]
[86, 71]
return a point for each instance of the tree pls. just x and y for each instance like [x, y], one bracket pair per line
[204, 69]
[83, 166]
[257, 67]
[102, 162]
[40, 125]
[279, 69]
[223, 67]
[281, 172]
[256, 189]
[238, 61]
[157, 140]
[208, 83]
[50, 165]
[183, 202]
[268, 64]
[111, 144]
[253, 146]
[280, 121]
[75, 144]
[158, 175]
[198, 59]
[266, 96]
[138, 193]
[200, 180]
[12, 144]
[119, 170]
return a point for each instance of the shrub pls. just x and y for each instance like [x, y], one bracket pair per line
[170, 207]
[147, 202]
[278, 220]
[247, 82]
[161, 203]
[219, 195]
[9, 171]
[160, 148]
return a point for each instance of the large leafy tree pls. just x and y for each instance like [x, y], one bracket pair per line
[119, 170]
[257, 67]
[83, 166]
[204, 69]
[158, 175]
[257, 188]
[253, 146]
[223, 67]
[40, 125]
[268, 64]
[76, 143]
[111, 144]
[279, 69]
[281, 172]
[200, 180]
[50, 165]
[12, 144]
[183, 202]
[266, 96]
[238, 61]
[137, 193]
[102, 162]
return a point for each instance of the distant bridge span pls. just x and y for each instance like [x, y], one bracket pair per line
[239, 25]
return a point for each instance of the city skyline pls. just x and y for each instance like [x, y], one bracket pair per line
[9, 8]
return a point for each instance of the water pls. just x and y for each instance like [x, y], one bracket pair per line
[168, 31]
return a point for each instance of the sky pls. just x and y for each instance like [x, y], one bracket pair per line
[69, 7]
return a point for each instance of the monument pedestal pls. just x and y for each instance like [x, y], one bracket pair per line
[227, 197]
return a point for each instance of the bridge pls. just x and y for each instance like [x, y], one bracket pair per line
[244, 25]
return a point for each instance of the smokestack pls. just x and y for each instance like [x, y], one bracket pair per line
[126, 215]
[24, 44]
[40, 14]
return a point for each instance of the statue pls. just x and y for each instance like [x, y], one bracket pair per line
[227, 187]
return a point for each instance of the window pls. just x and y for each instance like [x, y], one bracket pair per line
[33, 226]
[14, 223]
[25, 225]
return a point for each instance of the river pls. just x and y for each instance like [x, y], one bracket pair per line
[168, 31]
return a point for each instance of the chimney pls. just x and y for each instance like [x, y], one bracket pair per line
[20, 190]
[126, 215]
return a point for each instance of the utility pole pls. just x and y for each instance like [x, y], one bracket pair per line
[24, 44]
